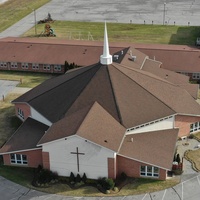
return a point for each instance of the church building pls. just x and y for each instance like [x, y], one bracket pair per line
[121, 114]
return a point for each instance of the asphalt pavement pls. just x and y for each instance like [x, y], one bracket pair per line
[168, 12]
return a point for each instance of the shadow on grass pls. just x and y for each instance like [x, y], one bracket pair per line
[185, 35]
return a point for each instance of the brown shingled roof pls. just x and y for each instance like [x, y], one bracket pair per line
[39, 51]
[26, 137]
[172, 77]
[155, 148]
[92, 123]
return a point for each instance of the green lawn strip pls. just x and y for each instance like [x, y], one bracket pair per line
[14, 10]
[135, 33]
[24, 176]
[20, 175]
[26, 79]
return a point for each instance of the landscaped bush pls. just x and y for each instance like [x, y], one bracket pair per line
[84, 178]
[191, 136]
[78, 178]
[106, 183]
[72, 178]
[44, 176]
[123, 176]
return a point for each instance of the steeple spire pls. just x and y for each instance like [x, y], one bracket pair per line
[106, 58]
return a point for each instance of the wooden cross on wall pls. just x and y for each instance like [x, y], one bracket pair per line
[77, 155]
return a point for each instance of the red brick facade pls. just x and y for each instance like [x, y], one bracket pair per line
[34, 158]
[111, 168]
[132, 168]
[46, 161]
[183, 122]
[32, 67]
[23, 107]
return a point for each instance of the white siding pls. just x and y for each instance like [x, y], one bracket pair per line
[157, 125]
[37, 116]
[93, 163]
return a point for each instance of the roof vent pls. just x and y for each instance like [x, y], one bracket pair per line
[131, 139]
[133, 58]
[116, 57]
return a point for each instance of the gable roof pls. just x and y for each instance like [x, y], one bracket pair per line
[155, 148]
[26, 137]
[93, 123]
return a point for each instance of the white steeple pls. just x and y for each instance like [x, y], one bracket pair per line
[106, 58]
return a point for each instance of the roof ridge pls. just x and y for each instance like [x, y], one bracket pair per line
[145, 88]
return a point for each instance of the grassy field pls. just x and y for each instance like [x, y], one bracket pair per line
[14, 10]
[135, 33]
[26, 79]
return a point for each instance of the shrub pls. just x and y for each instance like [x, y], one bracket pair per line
[78, 178]
[72, 178]
[84, 178]
[191, 136]
[106, 183]
[43, 176]
[123, 176]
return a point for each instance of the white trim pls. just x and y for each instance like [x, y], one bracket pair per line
[9, 152]
[147, 124]
[146, 57]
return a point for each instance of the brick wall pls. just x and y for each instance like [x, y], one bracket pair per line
[111, 168]
[34, 158]
[183, 123]
[25, 108]
[132, 168]
[46, 162]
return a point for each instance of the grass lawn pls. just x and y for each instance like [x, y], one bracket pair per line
[14, 10]
[195, 157]
[135, 33]
[27, 79]
[24, 176]
[197, 135]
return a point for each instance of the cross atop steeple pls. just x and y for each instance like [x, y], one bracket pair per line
[106, 58]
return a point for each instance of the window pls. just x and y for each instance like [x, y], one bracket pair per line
[46, 67]
[149, 171]
[3, 64]
[20, 113]
[18, 159]
[57, 67]
[25, 65]
[13, 65]
[195, 75]
[35, 66]
[194, 127]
